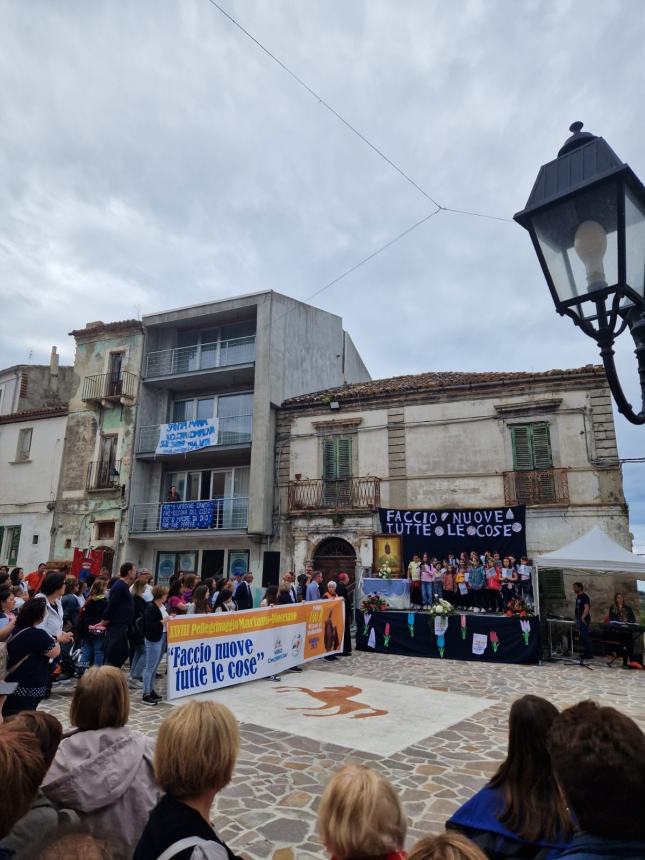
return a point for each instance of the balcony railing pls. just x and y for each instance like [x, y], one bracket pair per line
[231, 431]
[536, 487]
[224, 512]
[349, 494]
[205, 356]
[103, 475]
[110, 386]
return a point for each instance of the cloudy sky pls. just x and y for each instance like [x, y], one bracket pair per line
[152, 156]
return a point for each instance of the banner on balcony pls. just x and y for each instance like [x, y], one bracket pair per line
[182, 437]
[455, 530]
[207, 652]
[187, 515]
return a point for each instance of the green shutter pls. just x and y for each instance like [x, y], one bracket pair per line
[541, 446]
[12, 559]
[329, 460]
[522, 448]
[343, 459]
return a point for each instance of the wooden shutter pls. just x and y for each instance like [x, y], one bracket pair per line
[14, 537]
[522, 447]
[541, 446]
[343, 459]
[329, 460]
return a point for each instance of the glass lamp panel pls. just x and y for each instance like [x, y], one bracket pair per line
[635, 242]
[579, 241]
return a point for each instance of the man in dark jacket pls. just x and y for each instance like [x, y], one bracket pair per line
[119, 612]
[243, 593]
[598, 757]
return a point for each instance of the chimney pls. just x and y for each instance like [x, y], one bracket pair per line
[53, 370]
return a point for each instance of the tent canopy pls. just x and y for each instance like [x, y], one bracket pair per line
[594, 551]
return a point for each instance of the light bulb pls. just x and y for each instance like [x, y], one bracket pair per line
[591, 244]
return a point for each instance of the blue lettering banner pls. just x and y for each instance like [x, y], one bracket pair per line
[187, 515]
[181, 437]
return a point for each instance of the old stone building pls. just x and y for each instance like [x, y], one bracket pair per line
[34, 387]
[92, 494]
[450, 440]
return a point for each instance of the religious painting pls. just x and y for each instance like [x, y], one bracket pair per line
[388, 552]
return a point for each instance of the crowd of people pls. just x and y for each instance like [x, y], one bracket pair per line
[571, 786]
[476, 582]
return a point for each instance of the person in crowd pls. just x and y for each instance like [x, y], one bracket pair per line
[270, 597]
[524, 585]
[104, 771]
[70, 605]
[199, 605]
[22, 767]
[91, 627]
[520, 812]
[35, 578]
[225, 601]
[448, 582]
[583, 619]
[42, 817]
[343, 591]
[243, 594]
[74, 841]
[17, 577]
[437, 586]
[29, 652]
[284, 595]
[144, 591]
[330, 594]
[302, 587]
[620, 612]
[190, 775]
[119, 615]
[137, 638]
[173, 495]
[238, 576]
[20, 596]
[476, 584]
[598, 756]
[427, 572]
[492, 595]
[313, 589]
[461, 587]
[176, 604]
[509, 581]
[361, 816]
[188, 583]
[290, 577]
[52, 589]
[447, 846]
[414, 576]
[154, 620]
[7, 613]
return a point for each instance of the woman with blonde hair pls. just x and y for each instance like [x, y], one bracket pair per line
[197, 747]
[104, 771]
[446, 846]
[361, 815]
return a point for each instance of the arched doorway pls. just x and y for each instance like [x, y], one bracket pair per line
[333, 555]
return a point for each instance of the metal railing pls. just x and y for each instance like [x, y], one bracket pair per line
[536, 487]
[347, 494]
[103, 475]
[223, 512]
[231, 431]
[205, 356]
[110, 386]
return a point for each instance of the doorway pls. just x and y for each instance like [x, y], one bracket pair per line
[332, 556]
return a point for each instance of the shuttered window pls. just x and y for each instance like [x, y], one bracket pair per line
[531, 447]
[337, 459]
[13, 544]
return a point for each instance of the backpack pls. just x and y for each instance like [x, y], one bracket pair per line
[204, 848]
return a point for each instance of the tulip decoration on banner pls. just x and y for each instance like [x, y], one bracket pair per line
[411, 617]
[463, 627]
[440, 627]
[526, 629]
[387, 636]
[494, 640]
[367, 617]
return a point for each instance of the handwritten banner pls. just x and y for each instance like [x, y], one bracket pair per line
[187, 515]
[182, 437]
[207, 652]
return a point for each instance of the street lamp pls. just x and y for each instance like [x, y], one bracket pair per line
[586, 218]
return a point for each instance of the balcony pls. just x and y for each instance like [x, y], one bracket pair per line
[225, 361]
[110, 387]
[351, 494]
[219, 514]
[231, 431]
[536, 487]
[103, 475]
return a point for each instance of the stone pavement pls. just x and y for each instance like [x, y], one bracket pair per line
[269, 809]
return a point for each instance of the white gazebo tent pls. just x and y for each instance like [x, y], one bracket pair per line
[594, 552]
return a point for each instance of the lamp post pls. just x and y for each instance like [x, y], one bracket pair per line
[586, 218]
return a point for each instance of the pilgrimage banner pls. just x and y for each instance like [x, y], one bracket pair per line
[439, 531]
[182, 437]
[207, 652]
[187, 515]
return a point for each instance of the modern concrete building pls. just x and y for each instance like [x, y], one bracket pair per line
[92, 494]
[450, 440]
[227, 365]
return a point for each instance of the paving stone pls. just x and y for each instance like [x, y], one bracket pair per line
[289, 830]
[297, 799]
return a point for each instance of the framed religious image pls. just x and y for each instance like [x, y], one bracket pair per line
[238, 562]
[388, 551]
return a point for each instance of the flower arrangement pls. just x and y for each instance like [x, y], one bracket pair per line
[518, 608]
[384, 571]
[442, 607]
[374, 603]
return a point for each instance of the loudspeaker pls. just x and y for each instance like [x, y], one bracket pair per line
[270, 568]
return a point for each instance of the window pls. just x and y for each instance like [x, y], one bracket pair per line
[24, 444]
[11, 545]
[34, 539]
[68, 543]
[105, 530]
[337, 470]
[531, 446]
